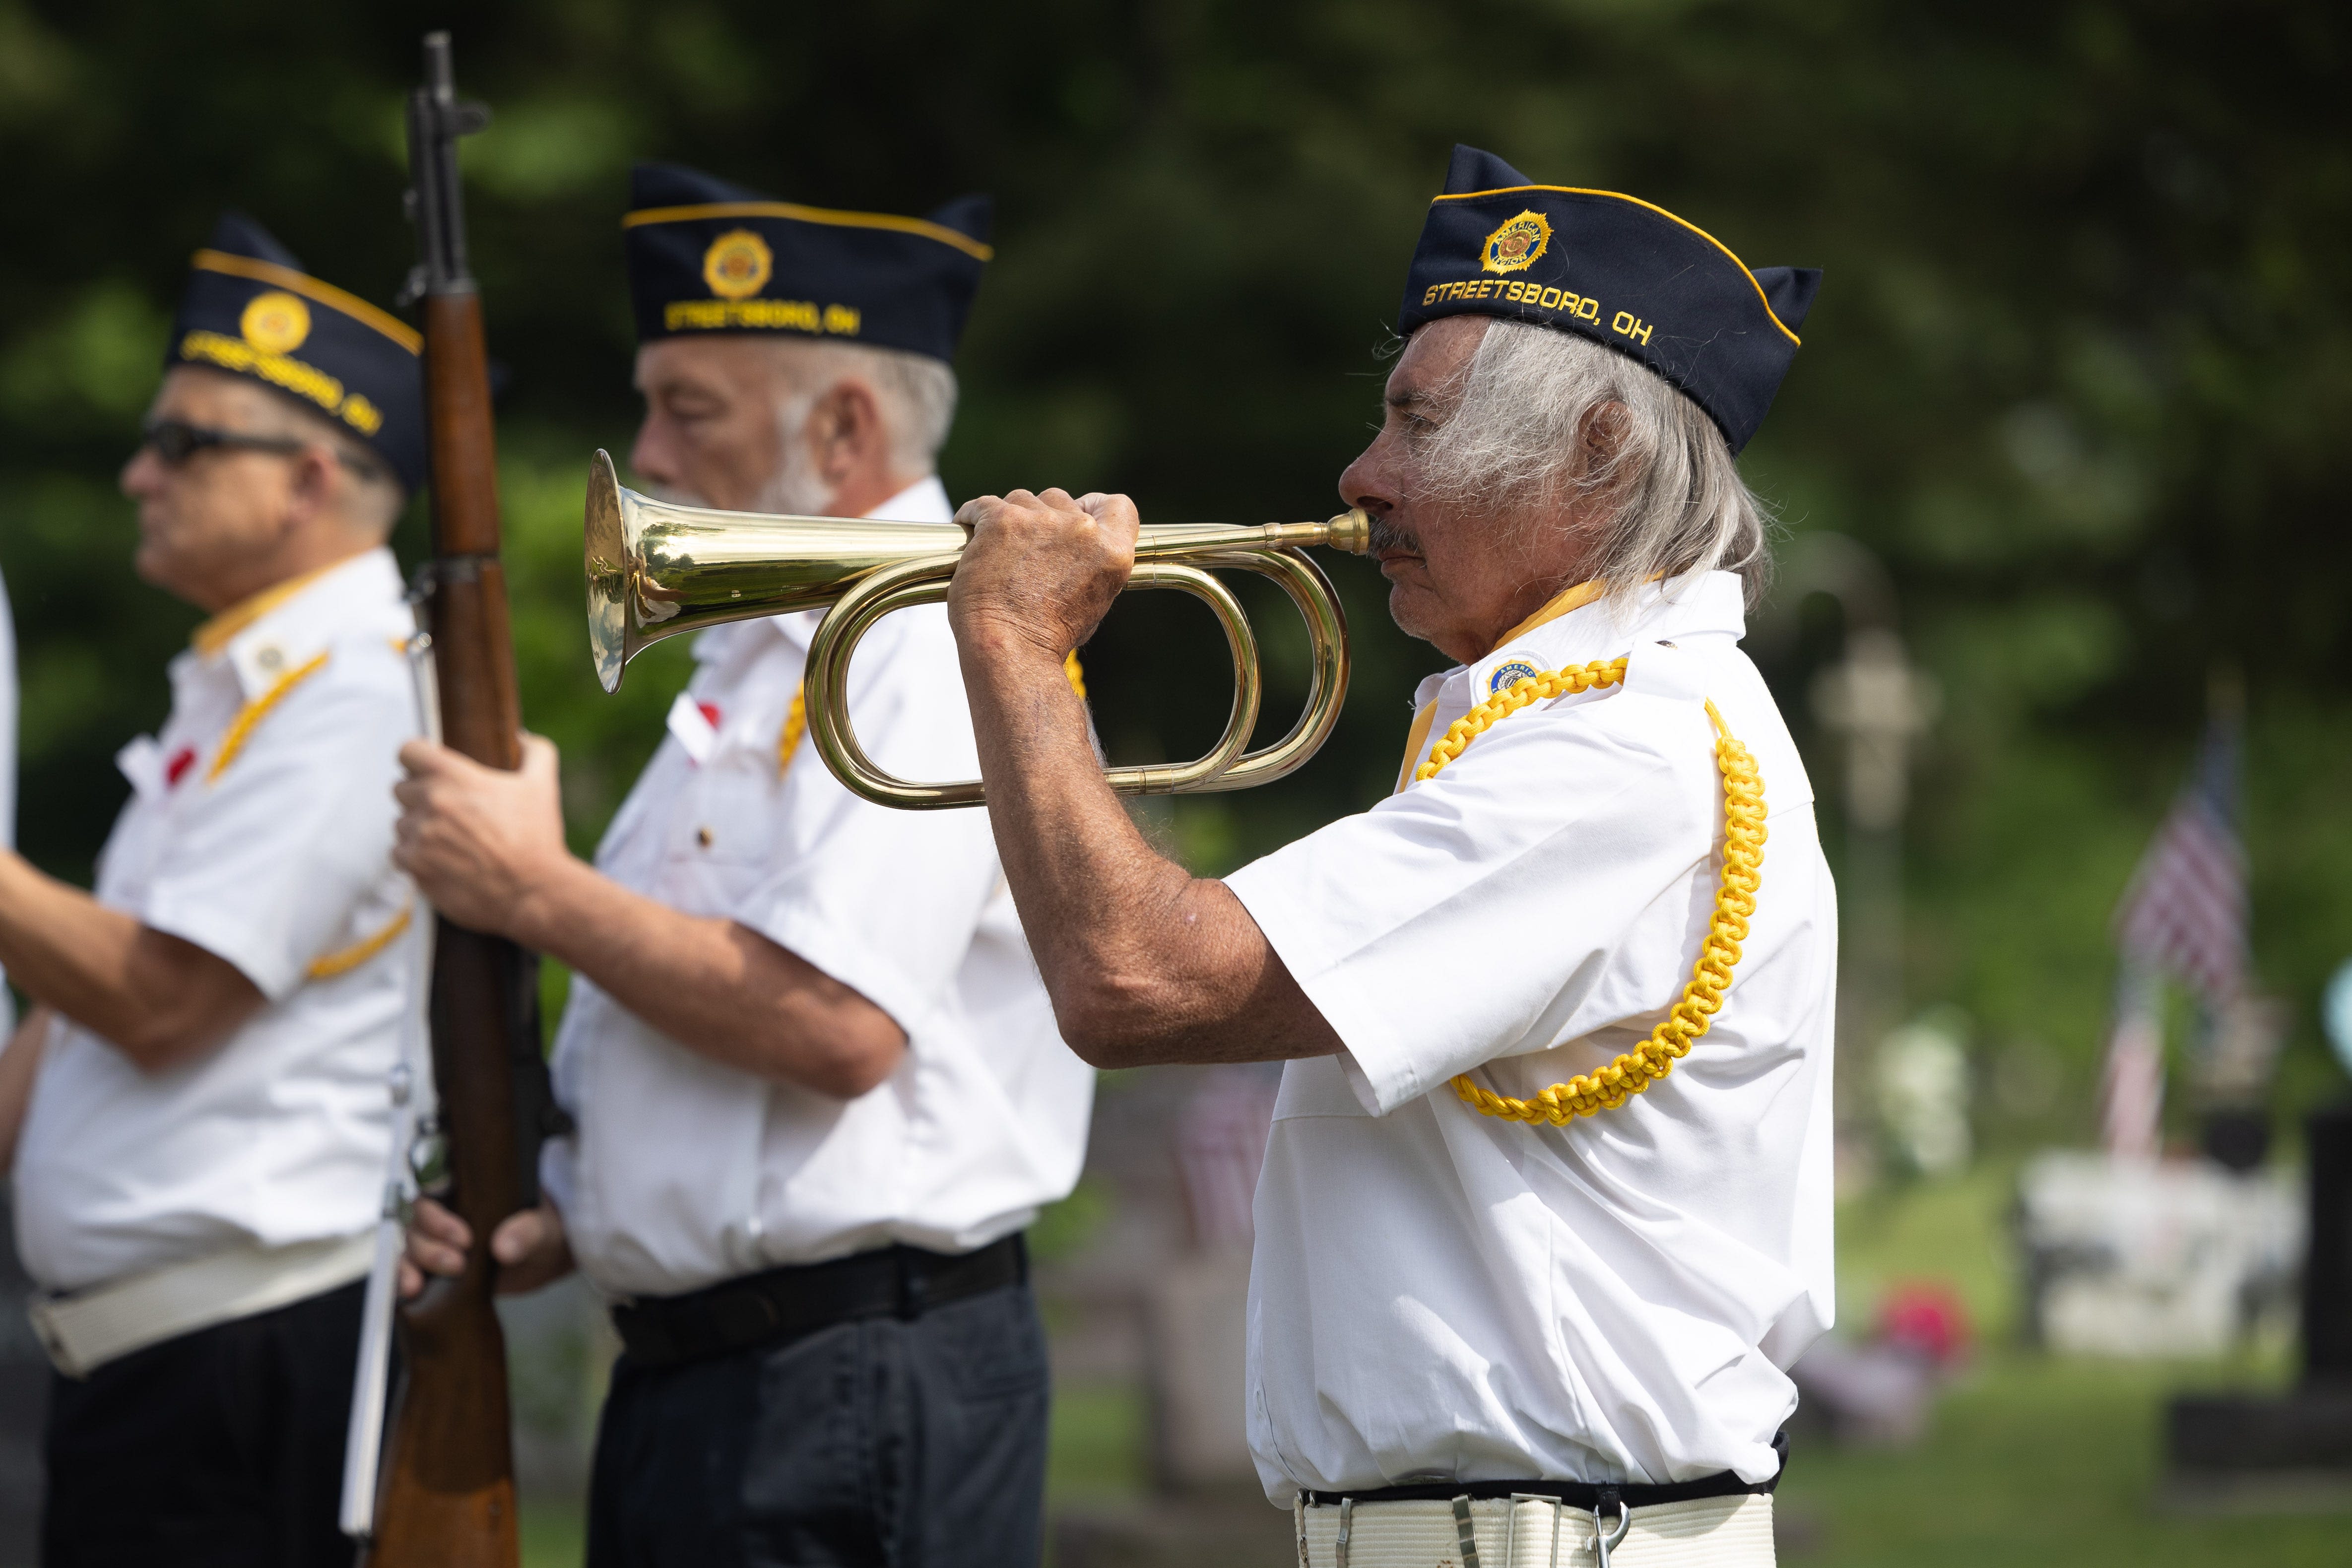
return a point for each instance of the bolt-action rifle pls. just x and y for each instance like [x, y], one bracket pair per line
[447, 1496]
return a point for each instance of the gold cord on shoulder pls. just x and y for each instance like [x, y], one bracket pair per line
[795, 727]
[1726, 929]
[328, 965]
[240, 729]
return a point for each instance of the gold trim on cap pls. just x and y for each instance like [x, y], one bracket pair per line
[1621, 196]
[326, 294]
[798, 214]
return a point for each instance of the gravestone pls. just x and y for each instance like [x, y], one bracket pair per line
[2294, 1449]
[2150, 1259]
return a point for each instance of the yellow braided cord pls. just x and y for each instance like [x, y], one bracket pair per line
[1734, 903]
[1510, 700]
[795, 726]
[328, 965]
[1076, 674]
[241, 728]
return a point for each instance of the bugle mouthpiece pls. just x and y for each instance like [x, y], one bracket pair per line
[1351, 531]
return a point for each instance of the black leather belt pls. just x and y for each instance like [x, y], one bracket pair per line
[1585, 1496]
[783, 1304]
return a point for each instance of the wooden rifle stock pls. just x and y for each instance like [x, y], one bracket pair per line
[447, 1498]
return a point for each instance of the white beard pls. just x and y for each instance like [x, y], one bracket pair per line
[796, 490]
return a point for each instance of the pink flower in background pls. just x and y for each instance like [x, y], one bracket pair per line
[1927, 1318]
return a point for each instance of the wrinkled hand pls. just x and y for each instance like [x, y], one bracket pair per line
[530, 1245]
[481, 842]
[1040, 569]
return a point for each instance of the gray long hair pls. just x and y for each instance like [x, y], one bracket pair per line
[1675, 500]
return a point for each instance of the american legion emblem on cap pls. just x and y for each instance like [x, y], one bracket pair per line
[708, 256]
[1614, 269]
[251, 310]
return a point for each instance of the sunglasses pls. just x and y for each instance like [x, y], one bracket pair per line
[176, 441]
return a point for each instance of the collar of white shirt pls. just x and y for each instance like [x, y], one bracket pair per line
[1694, 605]
[280, 629]
[1706, 610]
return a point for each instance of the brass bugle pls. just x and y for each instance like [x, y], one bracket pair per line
[657, 569]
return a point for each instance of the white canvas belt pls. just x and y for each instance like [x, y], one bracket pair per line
[85, 1331]
[1535, 1533]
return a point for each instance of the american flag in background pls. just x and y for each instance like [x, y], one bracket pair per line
[2184, 914]
[2185, 911]
[2131, 1085]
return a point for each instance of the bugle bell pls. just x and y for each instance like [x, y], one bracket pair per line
[656, 568]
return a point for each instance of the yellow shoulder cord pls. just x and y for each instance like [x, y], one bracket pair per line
[240, 729]
[795, 727]
[1734, 903]
[328, 965]
[796, 717]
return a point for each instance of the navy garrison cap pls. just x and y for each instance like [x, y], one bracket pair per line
[251, 310]
[1614, 268]
[708, 256]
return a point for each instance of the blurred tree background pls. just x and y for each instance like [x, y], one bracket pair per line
[2080, 373]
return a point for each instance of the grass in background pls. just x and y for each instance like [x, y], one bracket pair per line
[1098, 1449]
[2028, 1454]
[1955, 1231]
[2036, 1459]
[553, 1537]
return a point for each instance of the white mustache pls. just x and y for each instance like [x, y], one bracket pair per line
[1387, 535]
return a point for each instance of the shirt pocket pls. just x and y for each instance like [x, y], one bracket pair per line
[723, 833]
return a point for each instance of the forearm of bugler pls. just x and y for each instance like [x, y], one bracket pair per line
[716, 988]
[1144, 962]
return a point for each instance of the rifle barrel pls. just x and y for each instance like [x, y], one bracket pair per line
[447, 1498]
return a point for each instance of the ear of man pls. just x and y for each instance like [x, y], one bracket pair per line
[340, 481]
[848, 432]
[909, 398]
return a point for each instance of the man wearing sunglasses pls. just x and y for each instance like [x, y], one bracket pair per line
[195, 1108]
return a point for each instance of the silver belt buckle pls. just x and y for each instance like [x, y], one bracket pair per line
[1606, 1540]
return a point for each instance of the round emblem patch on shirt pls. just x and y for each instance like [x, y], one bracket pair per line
[1515, 247]
[275, 322]
[737, 264]
[1509, 673]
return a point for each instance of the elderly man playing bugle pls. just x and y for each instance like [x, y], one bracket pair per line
[1546, 1212]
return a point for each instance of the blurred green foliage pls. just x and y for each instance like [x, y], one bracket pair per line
[2078, 375]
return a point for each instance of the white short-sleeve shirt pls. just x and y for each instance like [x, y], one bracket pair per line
[684, 1172]
[1438, 1294]
[260, 828]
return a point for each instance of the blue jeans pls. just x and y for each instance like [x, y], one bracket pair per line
[888, 1442]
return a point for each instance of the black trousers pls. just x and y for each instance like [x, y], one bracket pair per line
[221, 1448]
[888, 1442]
